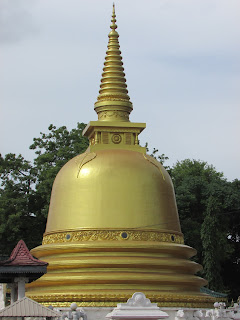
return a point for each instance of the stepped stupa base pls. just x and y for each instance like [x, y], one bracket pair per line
[102, 273]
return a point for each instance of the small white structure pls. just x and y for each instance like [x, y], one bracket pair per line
[74, 314]
[138, 308]
[26, 307]
[2, 300]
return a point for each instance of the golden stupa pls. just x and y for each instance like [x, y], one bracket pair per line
[113, 226]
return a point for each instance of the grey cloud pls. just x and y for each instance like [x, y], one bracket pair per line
[16, 21]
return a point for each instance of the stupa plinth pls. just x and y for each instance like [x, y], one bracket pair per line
[113, 226]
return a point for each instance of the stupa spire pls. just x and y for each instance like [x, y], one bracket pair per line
[113, 102]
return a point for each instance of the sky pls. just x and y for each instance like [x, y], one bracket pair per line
[182, 65]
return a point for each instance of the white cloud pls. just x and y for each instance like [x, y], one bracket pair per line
[16, 21]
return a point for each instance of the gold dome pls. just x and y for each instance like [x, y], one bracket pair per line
[113, 189]
[113, 227]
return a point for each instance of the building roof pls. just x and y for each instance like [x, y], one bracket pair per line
[21, 264]
[21, 256]
[212, 293]
[28, 308]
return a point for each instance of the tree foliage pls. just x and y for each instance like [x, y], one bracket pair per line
[162, 158]
[16, 201]
[208, 207]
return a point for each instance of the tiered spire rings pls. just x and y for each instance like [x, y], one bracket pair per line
[113, 101]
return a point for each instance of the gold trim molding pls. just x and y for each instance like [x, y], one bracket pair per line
[112, 235]
[113, 115]
[111, 300]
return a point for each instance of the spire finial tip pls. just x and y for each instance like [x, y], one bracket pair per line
[113, 12]
[113, 25]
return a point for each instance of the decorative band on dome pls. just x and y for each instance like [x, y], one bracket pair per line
[112, 235]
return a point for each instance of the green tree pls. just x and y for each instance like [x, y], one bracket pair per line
[17, 201]
[191, 180]
[216, 249]
[231, 266]
[205, 199]
[162, 158]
